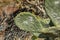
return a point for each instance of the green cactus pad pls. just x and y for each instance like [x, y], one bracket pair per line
[27, 21]
[53, 10]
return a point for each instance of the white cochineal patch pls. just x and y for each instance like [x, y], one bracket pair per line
[28, 21]
[56, 2]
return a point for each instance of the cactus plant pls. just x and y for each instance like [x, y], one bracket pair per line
[53, 10]
[29, 22]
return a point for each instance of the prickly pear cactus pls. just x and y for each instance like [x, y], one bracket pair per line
[28, 22]
[53, 10]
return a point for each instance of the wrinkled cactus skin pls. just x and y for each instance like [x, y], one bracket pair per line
[53, 10]
[27, 21]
